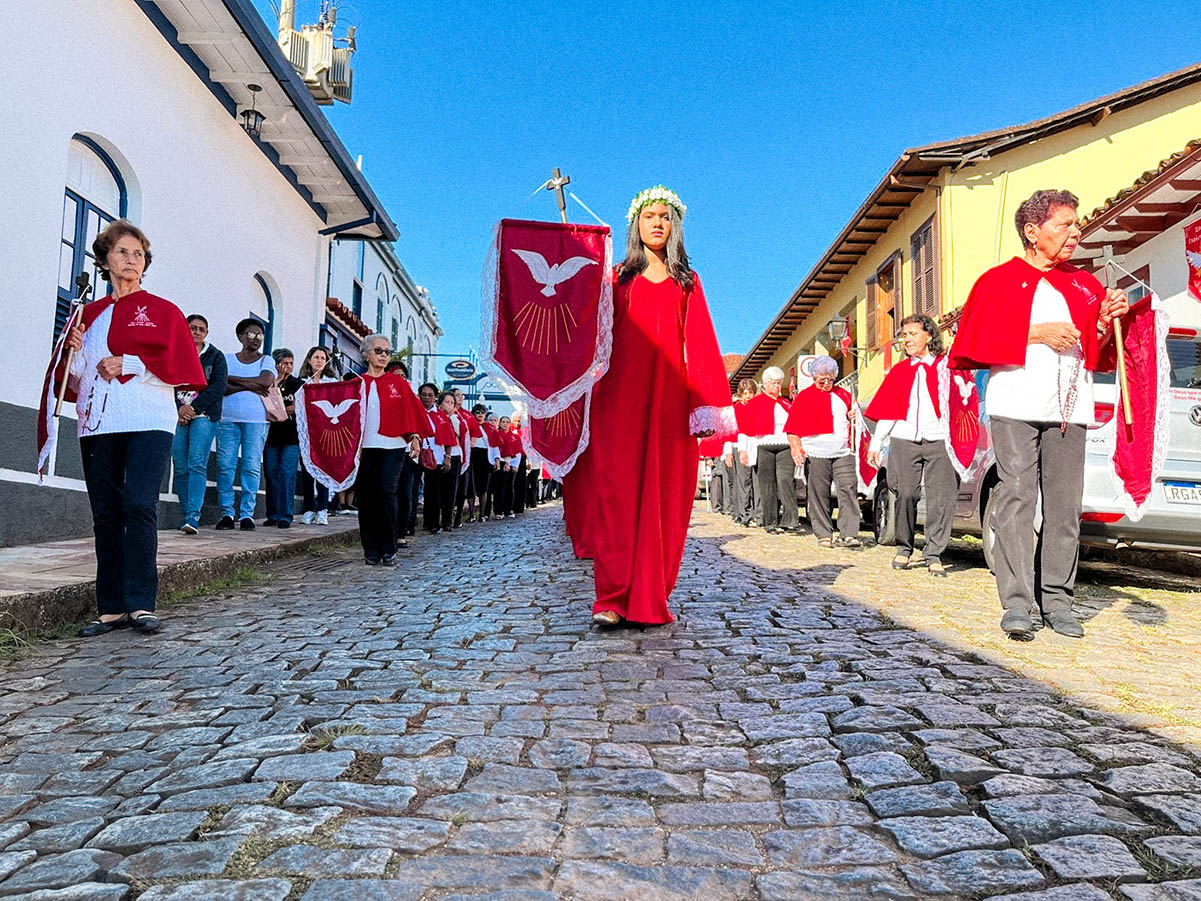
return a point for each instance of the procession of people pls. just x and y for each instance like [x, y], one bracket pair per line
[1038, 326]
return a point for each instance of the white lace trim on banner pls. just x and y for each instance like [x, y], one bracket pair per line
[560, 400]
[719, 420]
[559, 470]
[302, 432]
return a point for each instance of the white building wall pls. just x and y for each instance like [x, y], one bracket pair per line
[1164, 254]
[383, 277]
[216, 210]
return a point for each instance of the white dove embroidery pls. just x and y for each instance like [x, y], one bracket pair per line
[1194, 258]
[548, 276]
[333, 412]
[965, 387]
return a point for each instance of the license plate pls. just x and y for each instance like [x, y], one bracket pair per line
[1182, 492]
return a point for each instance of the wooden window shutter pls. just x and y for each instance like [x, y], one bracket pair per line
[925, 294]
[873, 339]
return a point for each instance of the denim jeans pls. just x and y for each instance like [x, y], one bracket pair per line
[123, 472]
[249, 438]
[190, 451]
[279, 466]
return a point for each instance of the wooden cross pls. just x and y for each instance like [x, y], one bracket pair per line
[559, 181]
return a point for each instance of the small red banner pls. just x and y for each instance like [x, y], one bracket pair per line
[561, 438]
[1192, 253]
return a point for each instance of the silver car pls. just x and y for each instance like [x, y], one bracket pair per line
[1172, 520]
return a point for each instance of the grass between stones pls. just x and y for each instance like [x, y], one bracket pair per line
[1158, 869]
[323, 739]
[235, 579]
[16, 646]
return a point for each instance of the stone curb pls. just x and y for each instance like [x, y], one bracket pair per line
[36, 611]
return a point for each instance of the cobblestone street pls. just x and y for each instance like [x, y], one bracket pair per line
[815, 725]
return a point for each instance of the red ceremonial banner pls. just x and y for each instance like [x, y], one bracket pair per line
[551, 315]
[1192, 253]
[330, 420]
[958, 390]
[560, 439]
[1141, 446]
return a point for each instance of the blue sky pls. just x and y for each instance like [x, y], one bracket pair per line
[772, 120]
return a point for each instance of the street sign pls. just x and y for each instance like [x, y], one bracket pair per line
[460, 370]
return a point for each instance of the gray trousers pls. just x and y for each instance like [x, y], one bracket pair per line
[818, 473]
[907, 462]
[777, 488]
[1030, 456]
[725, 478]
[747, 506]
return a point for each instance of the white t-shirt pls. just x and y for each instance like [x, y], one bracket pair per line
[835, 443]
[1040, 390]
[246, 406]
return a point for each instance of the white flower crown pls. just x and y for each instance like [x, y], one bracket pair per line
[657, 194]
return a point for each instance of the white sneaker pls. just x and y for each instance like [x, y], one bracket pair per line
[322, 518]
[307, 519]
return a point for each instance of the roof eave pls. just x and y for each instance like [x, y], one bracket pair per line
[248, 19]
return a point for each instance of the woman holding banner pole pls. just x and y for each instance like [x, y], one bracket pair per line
[665, 354]
[132, 350]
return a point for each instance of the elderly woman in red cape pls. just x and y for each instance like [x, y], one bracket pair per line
[764, 446]
[665, 387]
[820, 426]
[132, 350]
[1041, 328]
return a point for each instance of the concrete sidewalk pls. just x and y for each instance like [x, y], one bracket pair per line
[51, 583]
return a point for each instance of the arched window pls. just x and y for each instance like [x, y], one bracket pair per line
[381, 301]
[264, 303]
[395, 317]
[427, 356]
[411, 334]
[95, 196]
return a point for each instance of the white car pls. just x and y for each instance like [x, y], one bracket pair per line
[1172, 520]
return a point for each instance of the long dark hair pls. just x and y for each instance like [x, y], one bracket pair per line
[306, 368]
[930, 328]
[677, 258]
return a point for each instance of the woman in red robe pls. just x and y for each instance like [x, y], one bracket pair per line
[665, 387]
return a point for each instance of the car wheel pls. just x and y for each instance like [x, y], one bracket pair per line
[884, 516]
[988, 530]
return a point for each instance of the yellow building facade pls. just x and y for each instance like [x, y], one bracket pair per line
[944, 214]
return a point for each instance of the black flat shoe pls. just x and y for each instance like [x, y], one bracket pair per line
[388, 560]
[246, 525]
[225, 524]
[146, 623]
[100, 627]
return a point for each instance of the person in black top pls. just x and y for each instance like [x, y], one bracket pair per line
[199, 412]
[281, 454]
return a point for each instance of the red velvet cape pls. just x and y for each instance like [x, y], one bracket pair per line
[811, 413]
[759, 415]
[994, 329]
[154, 330]
[400, 411]
[891, 400]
